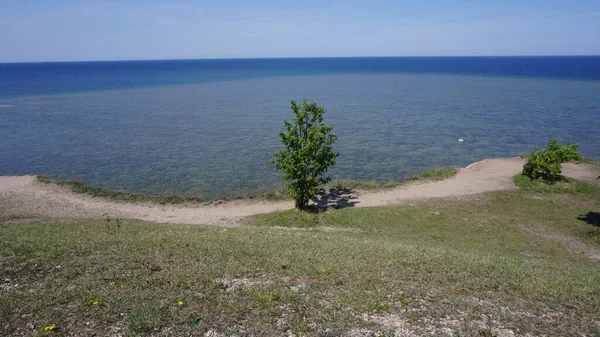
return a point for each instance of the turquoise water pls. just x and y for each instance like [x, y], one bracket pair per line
[216, 138]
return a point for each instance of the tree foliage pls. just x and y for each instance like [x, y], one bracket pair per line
[307, 152]
[545, 163]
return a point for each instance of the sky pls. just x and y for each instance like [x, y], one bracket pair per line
[85, 30]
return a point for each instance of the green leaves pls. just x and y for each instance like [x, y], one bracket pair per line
[545, 163]
[307, 152]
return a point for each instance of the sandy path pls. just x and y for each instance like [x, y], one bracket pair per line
[26, 197]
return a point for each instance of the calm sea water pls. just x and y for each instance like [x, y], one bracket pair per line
[210, 126]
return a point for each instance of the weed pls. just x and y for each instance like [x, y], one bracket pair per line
[112, 224]
[484, 333]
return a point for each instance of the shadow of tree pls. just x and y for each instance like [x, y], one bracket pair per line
[591, 218]
[336, 198]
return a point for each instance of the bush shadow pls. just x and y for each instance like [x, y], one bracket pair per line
[591, 218]
[335, 198]
[553, 179]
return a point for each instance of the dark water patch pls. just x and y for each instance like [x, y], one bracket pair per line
[33, 79]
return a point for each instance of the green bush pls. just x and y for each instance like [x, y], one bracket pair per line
[545, 163]
[307, 152]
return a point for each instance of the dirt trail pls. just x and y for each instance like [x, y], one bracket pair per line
[24, 196]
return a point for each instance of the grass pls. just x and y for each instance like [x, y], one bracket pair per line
[591, 161]
[94, 191]
[81, 187]
[564, 185]
[474, 267]
[271, 195]
[433, 174]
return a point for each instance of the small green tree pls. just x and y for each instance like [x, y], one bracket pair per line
[545, 163]
[307, 152]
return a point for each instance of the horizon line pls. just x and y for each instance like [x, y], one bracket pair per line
[298, 57]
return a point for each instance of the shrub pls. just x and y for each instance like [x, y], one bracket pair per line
[307, 152]
[545, 163]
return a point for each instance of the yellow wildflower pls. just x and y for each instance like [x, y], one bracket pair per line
[113, 283]
[180, 302]
[49, 327]
[95, 303]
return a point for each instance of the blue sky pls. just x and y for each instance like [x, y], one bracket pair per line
[130, 30]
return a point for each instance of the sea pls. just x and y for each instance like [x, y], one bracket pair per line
[209, 127]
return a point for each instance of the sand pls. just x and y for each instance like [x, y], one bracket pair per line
[24, 196]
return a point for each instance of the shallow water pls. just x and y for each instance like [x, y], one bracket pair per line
[216, 138]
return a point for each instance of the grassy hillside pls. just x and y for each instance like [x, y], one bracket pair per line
[515, 261]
